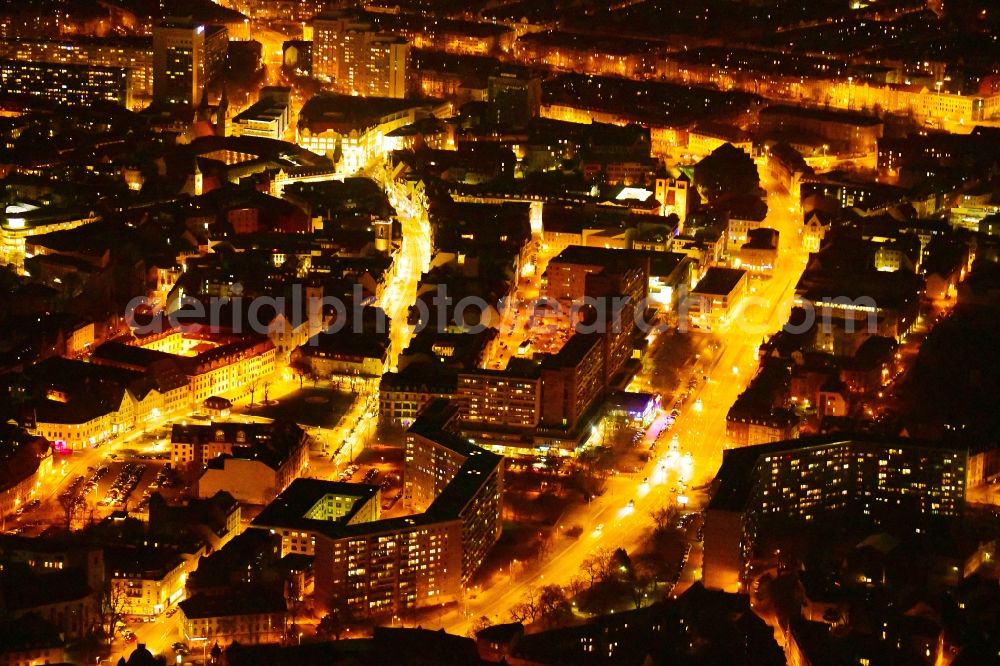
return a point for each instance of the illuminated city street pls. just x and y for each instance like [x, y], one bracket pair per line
[418, 333]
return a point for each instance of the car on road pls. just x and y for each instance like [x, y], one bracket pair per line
[129, 636]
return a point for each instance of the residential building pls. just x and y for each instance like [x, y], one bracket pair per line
[714, 299]
[247, 614]
[359, 60]
[859, 478]
[847, 132]
[147, 580]
[744, 218]
[403, 395]
[66, 83]
[346, 354]
[578, 272]
[499, 398]
[31, 640]
[759, 254]
[400, 564]
[573, 381]
[253, 462]
[133, 54]
[308, 505]
[25, 462]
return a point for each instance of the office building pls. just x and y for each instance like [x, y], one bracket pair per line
[267, 118]
[358, 128]
[186, 57]
[803, 480]
[356, 58]
[514, 99]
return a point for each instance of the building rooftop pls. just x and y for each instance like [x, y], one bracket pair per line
[761, 239]
[610, 259]
[719, 281]
[476, 469]
[344, 113]
[240, 600]
[574, 351]
[290, 508]
[825, 115]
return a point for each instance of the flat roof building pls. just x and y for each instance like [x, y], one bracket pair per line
[859, 477]
[66, 83]
[381, 566]
[714, 299]
[186, 56]
[308, 506]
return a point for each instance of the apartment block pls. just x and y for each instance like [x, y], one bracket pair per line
[499, 398]
[382, 566]
[66, 84]
[132, 54]
[860, 479]
[357, 58]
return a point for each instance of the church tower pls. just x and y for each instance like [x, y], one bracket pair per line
[383, 235]
[199, 180]
[222, 114]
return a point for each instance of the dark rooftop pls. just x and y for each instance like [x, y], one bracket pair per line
[719, 281]
[289, 509]
[240, 600]
[825, 115]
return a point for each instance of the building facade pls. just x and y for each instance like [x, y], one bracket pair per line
[401, 564]
[134, 55]
[65, 83]
[186, 57]
[804, 479]
[357, 58]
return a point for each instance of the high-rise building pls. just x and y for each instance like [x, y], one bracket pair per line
[66, 84]
[357, 58]
[186, 56]
[379, 565]
[134, 54]
[514, 99]
[859, 478]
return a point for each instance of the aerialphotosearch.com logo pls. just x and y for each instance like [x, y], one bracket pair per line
[473, 314]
